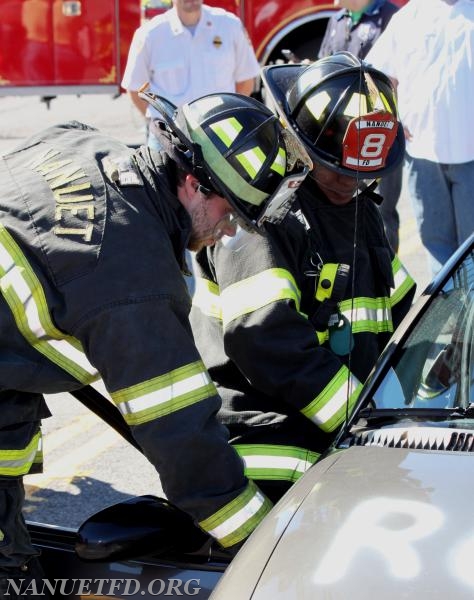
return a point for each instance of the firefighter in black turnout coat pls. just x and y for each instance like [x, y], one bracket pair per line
[92, 241]
[291, 323]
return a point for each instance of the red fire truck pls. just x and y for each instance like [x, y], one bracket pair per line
[51, 47]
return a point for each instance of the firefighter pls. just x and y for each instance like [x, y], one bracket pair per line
[290, 324]
[92, 241]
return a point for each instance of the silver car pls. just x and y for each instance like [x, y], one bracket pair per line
[387, 513]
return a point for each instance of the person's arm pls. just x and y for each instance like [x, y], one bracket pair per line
[256, 288]
[245, 87]
[247, 67]
[137, 72]
[402, 295]
[138, 102]
[145, 352]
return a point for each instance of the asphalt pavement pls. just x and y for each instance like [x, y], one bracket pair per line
[87, 465]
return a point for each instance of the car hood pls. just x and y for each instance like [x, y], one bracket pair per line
[366, 522]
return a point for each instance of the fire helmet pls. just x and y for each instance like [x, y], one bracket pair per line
[236, 147]
[343, 110]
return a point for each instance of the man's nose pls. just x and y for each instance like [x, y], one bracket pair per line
[229, 224]
[226, 226]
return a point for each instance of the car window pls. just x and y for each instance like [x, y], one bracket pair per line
[435, 368]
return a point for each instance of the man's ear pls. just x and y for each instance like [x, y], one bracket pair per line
[187, 191]
[192, 183]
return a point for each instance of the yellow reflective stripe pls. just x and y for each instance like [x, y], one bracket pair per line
[14, 463]
[372, 315]
[386, 103]
[279, 164]
[27, 301]
[165, 394]
[403, 281]
[227, 130]
[356, 106]
[258, 291]
[206, 298]
[252, 160]
[323, 336]
[317, 103]
[273, 462]
[237, 519]
[328, 409]
[223, 169]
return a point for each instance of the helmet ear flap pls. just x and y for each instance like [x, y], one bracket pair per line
[172, 145]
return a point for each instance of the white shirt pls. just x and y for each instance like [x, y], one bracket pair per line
[428, 46]
[181, 66]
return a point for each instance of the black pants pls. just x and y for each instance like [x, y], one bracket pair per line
[15, 545]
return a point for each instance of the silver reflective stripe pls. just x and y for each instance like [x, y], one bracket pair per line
[14, 463]
[206, 298]
[403, 281]
[362, 313]
[368, 314]
[337, 400]
[290, 463]
[167, 393]
[241, 517]
[258, 291]
[27, 301]
[164, 395]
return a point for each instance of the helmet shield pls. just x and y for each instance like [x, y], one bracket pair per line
[236, 147]
[344, 111]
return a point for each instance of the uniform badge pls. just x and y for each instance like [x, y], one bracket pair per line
[217, 41]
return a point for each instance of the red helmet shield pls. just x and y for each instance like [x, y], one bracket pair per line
[368, 140]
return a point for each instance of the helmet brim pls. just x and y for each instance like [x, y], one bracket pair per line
[278, 79]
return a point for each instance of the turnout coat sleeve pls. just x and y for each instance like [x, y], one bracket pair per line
[247, 310]
[254, 309]
[95, 290]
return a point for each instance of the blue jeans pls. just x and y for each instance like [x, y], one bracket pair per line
[443, 203]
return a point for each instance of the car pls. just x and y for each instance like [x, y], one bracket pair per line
[385, 512]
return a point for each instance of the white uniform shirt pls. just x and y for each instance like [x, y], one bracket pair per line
[181, 66]
[428, 47]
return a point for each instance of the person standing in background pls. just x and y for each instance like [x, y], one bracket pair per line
[355, 28]
[187, 52]
[433, 69]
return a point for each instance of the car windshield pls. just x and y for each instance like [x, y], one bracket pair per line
[435, 365]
